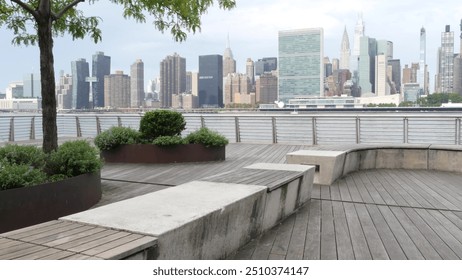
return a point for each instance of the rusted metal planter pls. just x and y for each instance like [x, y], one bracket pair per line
[149, 153]
[28, 206]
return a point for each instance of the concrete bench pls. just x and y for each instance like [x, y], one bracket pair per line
[211, 218]
[328, 164]
[333, 162]
[289, 186]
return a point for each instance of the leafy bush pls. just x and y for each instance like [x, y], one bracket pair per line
[161, 123]
[19, 175]
[74, 158]
[207, 137]
[116, 136]
[168, 140]
[23, 155]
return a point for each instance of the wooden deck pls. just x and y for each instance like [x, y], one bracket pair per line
[60, 240]
[376, 214]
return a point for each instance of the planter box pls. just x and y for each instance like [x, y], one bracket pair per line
[22, 207]
[148, 153]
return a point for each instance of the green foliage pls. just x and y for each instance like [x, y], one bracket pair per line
[169, 140]
[23, 155]
[407, 104]
[207, 137]
[178, 16]
[19, 175]
[115, 136]
[161, 123]
[436, 99]
[74, 158]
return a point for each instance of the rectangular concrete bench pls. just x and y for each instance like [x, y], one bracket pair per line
[329, 164]
[211, 218]
[289, 186]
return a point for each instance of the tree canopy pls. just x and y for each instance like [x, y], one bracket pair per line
[39, 21]
[178, 16]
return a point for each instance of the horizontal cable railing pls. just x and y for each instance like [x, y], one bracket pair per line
[306, 129]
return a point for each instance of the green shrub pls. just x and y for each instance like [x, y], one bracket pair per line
[116, 136]
[74, 158]
[168, 140]
[206, 137]
[23, 155]
[19, 175]
[161, 123]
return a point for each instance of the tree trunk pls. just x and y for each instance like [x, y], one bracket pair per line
[47, 76]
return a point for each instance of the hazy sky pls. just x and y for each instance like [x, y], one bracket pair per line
[253, 31]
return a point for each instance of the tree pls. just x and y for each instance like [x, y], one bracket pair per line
[51, 18]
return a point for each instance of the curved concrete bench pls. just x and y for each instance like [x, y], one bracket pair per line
[334, 162]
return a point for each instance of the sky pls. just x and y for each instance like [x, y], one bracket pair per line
[252, 28]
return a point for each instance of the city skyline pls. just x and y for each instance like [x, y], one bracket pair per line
[253, 31]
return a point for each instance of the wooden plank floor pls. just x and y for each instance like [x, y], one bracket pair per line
[56, 240]
[374, 214]
[123, 181]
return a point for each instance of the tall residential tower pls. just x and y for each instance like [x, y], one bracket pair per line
[445, 75]
[137, 84]
[172, 78]
[421, 79]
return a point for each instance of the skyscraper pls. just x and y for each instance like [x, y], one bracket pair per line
[172, 78]
[266, 64]
[235, 83]
[64, 92]
[117, 90]
[301, 54]
[80, 87]
[421, 76]
[32, 86]
[359, 32]
[366, 69]
[101, 66]
[267, 88]
[396, 73]
[382, 77]
[229, 64]
[345, 51]
[445, 72]
[458, 68]
[250, 70]
[210, 81]
[137, 84]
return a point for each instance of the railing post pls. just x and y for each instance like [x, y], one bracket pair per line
[98, 126]
[238, 129]
[358, 130]
[202, 121]
[315, 132]
[79, 129]
[32, 129]
[11, 135]
[119, 121]
[273, 123]
[406, 130]
[457, 131]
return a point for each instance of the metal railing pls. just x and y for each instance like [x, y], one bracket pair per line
[307, 129]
